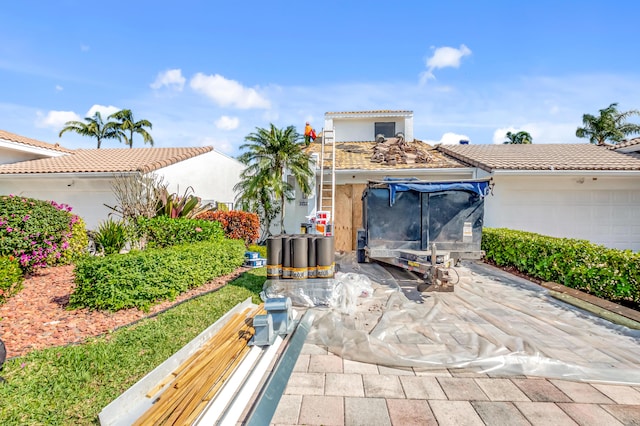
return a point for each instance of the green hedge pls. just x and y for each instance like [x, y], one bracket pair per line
[10, 277]
[608, 273]
[141, 278]
[163, 231]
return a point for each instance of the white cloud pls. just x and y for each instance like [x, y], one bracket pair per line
[221, 145]
[449, 138]
[105, 111]
[500, 135]
[173, 79]
[228, 93]
[227, 123]
[444, 57]
[59, 88]
[84, 48]
[56, 119]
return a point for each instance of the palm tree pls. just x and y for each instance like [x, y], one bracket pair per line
[610, 126]
[255, 195]
[521, 137]
[127, 126]
[94, 127]
[270, 154]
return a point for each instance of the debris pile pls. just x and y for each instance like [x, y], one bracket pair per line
[393, 151]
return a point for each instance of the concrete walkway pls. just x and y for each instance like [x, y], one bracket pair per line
[325, 389]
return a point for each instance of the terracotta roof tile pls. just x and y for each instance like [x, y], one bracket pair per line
[541, 157]
[31, 142]
[625, 143]
[357, 156]
[106, 160]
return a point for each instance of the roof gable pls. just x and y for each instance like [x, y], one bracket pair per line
[541, 157]
[106, 160]
[21, 140]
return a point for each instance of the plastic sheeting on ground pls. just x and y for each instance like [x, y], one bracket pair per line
[493, 322]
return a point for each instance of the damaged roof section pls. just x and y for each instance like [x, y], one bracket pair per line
[388, 154]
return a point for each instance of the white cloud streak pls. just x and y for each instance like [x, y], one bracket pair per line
[444, 57]
[227, 123]
[228, 93]
[172, 79]
[56, 119]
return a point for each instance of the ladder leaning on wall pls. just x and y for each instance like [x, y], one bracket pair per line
[328, 178]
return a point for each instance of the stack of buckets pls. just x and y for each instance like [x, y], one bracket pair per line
[300, 257]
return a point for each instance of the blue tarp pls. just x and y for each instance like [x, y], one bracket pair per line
[481, 188]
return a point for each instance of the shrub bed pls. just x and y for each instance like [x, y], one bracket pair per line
[163, 231]
[140, 278]
[36, 232]
[237, 225]
[607, 273]
[10, 277]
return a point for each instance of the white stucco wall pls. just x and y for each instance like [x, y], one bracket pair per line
[10, 154]
[86, 196]
[602, 208]
[363, 129]
[212, 176]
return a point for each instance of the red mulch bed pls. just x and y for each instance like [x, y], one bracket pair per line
[38, 318]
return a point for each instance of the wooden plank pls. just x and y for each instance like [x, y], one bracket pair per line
[342, 222]
[356, 212]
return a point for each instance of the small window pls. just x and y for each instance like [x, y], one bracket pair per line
[388, 129]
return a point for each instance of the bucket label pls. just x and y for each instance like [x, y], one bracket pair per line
[299, 273]
[274, 271]
[312, 272]
[286, 272]
[325, 271]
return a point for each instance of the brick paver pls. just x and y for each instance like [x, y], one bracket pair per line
[499, 413]
[501, 390]
[455, 413]
[627, 414]
[322, 410]
[344, 385]
[325, 364]
[620, 394]
[366, 412]
[305, 384]
[462, 389]
[382, 386]
[410, 412]
[359, 367]
[541, 390]
[420, 387]
[288, 410]
[544, 414]
[588, 414]
[582, 392]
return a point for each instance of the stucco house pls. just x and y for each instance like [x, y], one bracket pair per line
[564, 190]
[83, 178]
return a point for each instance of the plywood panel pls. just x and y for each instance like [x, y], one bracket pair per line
[343, 217]
[356, 212]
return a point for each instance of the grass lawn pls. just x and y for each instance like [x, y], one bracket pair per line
[72, 384]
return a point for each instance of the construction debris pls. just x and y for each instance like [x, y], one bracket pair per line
[393, 151]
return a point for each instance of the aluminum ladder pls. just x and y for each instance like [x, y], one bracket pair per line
[328, 178]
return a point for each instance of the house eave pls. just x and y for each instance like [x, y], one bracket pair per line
[547, 172]
[76, 175]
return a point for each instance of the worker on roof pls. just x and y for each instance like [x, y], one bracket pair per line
[309, 134]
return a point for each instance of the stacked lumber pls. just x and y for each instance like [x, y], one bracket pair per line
[199, 378]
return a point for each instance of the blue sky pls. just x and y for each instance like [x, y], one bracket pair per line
[209, 73]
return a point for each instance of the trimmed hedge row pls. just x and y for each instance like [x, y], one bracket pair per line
[10, 277]
[139, 279]
[607, 273]
[163, 231]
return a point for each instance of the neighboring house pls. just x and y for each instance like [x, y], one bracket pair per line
[581, 191]
[83, 178]
[360, 158]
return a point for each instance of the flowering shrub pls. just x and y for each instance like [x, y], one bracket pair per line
[163, 231]
[237, 225]
[77, 242]
[36, 232]
[10, 277]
